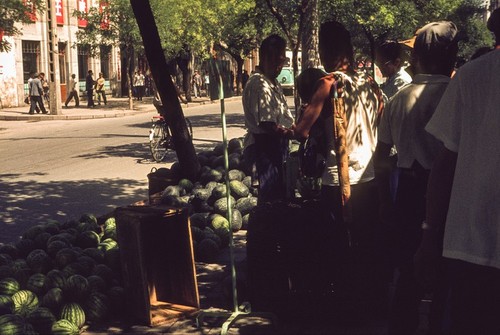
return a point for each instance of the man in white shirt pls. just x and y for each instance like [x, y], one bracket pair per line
[402, 125]
[268, 120]
[463, 196]
[73, 91]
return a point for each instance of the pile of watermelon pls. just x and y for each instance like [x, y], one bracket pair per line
[206, 198]
[60, 276]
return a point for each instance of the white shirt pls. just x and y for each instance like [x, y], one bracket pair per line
[467, 121]
[361, 106]
[264, 101]
[405, 116]
[395, 83]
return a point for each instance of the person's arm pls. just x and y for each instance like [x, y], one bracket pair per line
[438, 198]
[313, 110]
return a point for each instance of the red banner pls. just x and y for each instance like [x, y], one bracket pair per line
[82, 7]
[30, 12]
[103, 4]
[59, 8]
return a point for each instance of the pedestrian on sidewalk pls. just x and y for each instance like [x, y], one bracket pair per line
[36, 93]
[73, 92]
[27, 100]
[89, 87]
[139, 81]
[197, 84]
[99, 89]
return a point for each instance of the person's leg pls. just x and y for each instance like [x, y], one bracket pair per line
[40, 103]
[32, 105]
[104, 97]
[68, 99]
[77, 99]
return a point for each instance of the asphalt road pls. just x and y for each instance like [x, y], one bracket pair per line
[58, 170]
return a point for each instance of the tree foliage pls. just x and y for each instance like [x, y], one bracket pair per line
[17, 11]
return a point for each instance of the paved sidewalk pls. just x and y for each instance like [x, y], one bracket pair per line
[116, 107]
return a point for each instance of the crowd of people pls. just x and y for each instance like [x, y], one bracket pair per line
[421, 168]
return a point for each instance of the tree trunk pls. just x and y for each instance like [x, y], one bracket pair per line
[130, 62]
[189, 165]
[309, 38]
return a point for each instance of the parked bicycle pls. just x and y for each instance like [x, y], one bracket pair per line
[160, 136]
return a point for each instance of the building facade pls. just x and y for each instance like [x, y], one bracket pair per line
[31, 52]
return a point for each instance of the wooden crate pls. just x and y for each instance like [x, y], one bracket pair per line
[157, 263]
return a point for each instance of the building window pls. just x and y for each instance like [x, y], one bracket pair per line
[83, 61]
[105, 52]
[31, 58]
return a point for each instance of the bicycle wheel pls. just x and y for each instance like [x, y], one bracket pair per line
[159, 137]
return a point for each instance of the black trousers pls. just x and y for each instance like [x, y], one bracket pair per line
[72, 94]
[90, 98]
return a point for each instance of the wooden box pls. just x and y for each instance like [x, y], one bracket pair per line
[157, 263]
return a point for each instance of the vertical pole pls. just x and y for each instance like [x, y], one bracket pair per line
[53, 59]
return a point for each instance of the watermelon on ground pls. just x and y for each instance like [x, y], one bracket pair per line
[41, 319]
[24, 302]
[65, 327]
[74, 313]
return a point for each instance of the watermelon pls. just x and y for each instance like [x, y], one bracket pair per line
[38, 284]
[10, 250]
[186, 184]
[54, 246]
[95, 254]
[33, 232]
[11, 324]
[9, 286]
[220, 206]
[51, 227]
[238, 189]
[24, 302]
[77, 288]
[75, 268]
[108, 244]
[236, 220]
[236, 175]
[96, 283]
[96, 306]
[5, 259]
[53, 299]
[25, 246]
[57, 278]
[87, 239]
[6, 305]
[41, 240]
[41, 319]
[104, 272]
[245, 205]
[113, 259]
[65, 327]
[88, 218]
[87, 263]
[65, 257]
[74, 313]
[39, 261]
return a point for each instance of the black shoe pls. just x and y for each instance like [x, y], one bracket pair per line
[31, 113]
[45, 112]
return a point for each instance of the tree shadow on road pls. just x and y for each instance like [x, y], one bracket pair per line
[26, 203]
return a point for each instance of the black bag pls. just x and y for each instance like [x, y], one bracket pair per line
[312, 158]
[313, 150]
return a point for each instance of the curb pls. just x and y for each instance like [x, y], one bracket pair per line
[106, 114]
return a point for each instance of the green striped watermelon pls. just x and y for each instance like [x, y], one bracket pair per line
[53, 299]
[10, 250]
[5, 259]
[74, 313]
[95, 254]
[11, 324]
[96, 307]
[65, 327]
[65, 256]
[77, 288]
[88, 239]
[24, 302]
[6, 271]
[41, 240]
[96, 283]
[33, 232]
[41, 319]
[57, 278]
[39, 261]
[9, 286]
[25, 246]
[104, 272]
[51, 228]
[75, 268]
[38, 284]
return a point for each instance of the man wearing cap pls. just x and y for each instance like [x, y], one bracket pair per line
[463, 195]
[402, 124]
[389, 59]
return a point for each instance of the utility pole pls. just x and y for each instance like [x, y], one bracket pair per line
[53, 58]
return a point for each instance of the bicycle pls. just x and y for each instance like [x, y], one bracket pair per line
[160, 137]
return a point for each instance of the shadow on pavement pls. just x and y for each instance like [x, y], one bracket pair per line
[61, 200]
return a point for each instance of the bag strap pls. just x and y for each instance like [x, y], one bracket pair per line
[340, 136]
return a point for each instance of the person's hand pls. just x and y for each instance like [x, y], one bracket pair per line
[427, 260]
[285, 132]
